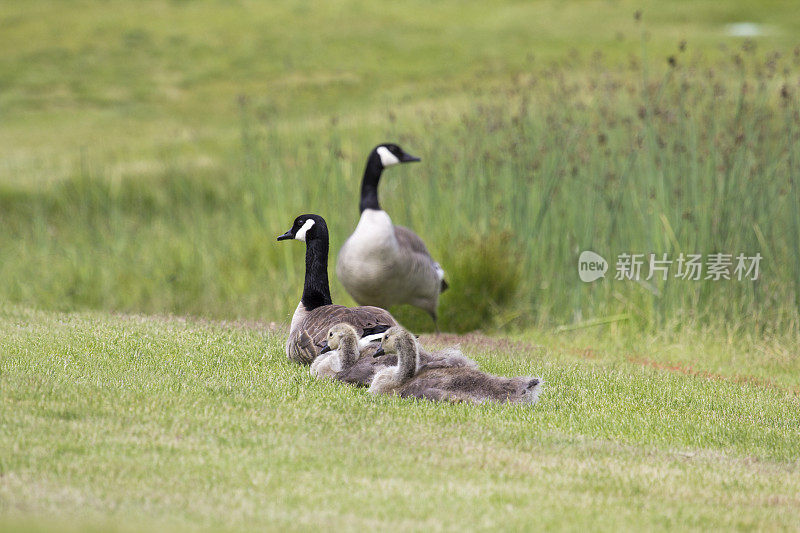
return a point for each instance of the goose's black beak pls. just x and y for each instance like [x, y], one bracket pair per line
[287, 235]
[379, 352]
[408, 158]
[325, 348]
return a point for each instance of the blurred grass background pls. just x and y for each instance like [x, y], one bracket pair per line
[151, 151]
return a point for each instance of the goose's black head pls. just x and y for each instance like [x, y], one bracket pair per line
[389, 154]
[306, 228]
[382, 156]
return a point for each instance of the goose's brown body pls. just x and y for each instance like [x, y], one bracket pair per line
[309, 328]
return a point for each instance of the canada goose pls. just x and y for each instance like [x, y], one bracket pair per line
[383, 264]
[316, 313]
[343, 357]
[408, 379]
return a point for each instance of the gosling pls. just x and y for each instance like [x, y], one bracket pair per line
[341, 351]
[456, 384]
[341, 357]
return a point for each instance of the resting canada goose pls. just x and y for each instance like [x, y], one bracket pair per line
[341, 358]
[383, 264]
[407, 379]
[315, 313]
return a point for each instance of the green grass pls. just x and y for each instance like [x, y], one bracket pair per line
[135, 422]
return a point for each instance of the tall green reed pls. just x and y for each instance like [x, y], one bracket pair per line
[692, 158]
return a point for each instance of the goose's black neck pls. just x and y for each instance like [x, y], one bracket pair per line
[316, 291]
[369, 185]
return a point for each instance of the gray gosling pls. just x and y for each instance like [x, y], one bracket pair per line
[344, 357]
[342, 351]
[455, 384]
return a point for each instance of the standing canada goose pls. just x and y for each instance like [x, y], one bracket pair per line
[315, 313]
[383, 264]
[408, 379]
[343, 357]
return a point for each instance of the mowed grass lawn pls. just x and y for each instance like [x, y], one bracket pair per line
[127, 422]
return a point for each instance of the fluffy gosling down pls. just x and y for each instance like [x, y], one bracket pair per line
[342, 351]
[410, 379]
[344, 357]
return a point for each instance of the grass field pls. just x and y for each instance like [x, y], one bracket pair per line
[136, 422]
[151, 151]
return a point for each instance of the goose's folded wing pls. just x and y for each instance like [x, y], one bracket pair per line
[417, 252]
[301, 348]
[408, 240]
[367, 319]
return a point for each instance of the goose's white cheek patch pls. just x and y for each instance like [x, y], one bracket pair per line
[301, 235]
[387, 158]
